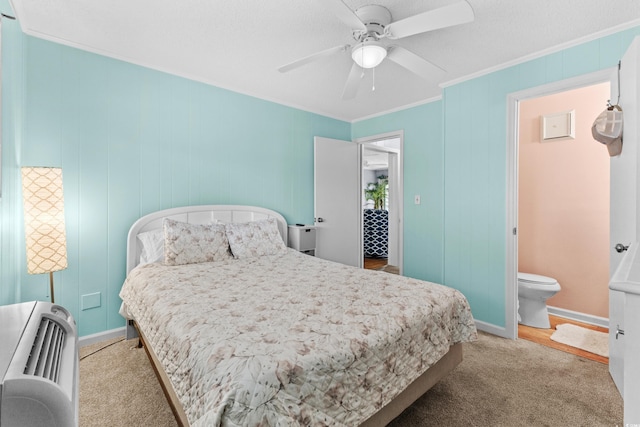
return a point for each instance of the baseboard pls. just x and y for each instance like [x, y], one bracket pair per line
[101, 336]
[579, 317]
[491, 329]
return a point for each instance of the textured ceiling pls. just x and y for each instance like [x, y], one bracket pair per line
[239, 44]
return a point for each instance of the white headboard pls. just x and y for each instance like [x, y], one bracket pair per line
[202, 214]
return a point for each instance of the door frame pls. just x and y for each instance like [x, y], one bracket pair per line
[513, 115]
[400, 190]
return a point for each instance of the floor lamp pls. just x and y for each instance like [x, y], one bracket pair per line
[44, 228]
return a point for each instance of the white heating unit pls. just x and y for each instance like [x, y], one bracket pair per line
[39, 368]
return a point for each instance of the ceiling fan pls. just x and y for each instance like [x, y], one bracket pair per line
[372, 23]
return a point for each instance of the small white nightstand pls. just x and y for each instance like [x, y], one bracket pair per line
[303, 238]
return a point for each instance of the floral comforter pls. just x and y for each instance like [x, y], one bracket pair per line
[290, 339]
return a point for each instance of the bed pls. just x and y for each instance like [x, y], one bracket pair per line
[255, 333]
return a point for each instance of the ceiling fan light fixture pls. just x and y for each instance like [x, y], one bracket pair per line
[368, 54]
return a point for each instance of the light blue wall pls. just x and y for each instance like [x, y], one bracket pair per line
[131, 141]
[423, 224]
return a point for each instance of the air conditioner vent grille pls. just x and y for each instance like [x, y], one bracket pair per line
[46, 352]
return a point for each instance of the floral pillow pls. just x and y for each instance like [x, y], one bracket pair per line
[256, 238]
[194, 243]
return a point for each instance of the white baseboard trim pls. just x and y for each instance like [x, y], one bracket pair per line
[101, 336]
[579, 317]
[491, 329]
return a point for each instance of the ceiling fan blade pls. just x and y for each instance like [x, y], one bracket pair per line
[345, 14]
[312, 58]
[415, 64]
[447, 16]
[353, 81]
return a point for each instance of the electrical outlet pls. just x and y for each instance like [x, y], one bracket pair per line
[91, 301]
[416, 199]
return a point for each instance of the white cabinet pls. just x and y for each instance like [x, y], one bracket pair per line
[616, 341]
[624, 332]
[303, 238]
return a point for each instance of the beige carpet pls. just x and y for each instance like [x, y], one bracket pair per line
[586, 339]
[499, 383]
[119, 388]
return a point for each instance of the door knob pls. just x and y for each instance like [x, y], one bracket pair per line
[621, 248]
[619, 331]
[320, 220]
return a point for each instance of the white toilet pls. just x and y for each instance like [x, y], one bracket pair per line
[533, 292]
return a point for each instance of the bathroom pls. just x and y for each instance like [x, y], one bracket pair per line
[563, 203]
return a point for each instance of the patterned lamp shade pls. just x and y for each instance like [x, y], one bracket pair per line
[44, 220]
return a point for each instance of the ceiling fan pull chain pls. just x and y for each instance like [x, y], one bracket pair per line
[373, 85]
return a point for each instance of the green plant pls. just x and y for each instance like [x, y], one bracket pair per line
[377, 191]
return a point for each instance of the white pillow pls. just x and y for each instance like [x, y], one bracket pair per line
[256, 238]
[152, 243]
[194, 243]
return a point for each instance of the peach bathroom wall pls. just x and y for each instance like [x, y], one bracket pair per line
[563, 202]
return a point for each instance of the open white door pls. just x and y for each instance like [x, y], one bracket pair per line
[624, 183]
[624, 228]
[338, 210]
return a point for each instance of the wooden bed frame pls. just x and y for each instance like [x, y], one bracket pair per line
[234, 213]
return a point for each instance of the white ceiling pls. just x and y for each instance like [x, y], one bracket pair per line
[374, 160]
[239, 44]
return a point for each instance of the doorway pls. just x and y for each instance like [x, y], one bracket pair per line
[563, 210]
[382, 221]
[513, 197]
